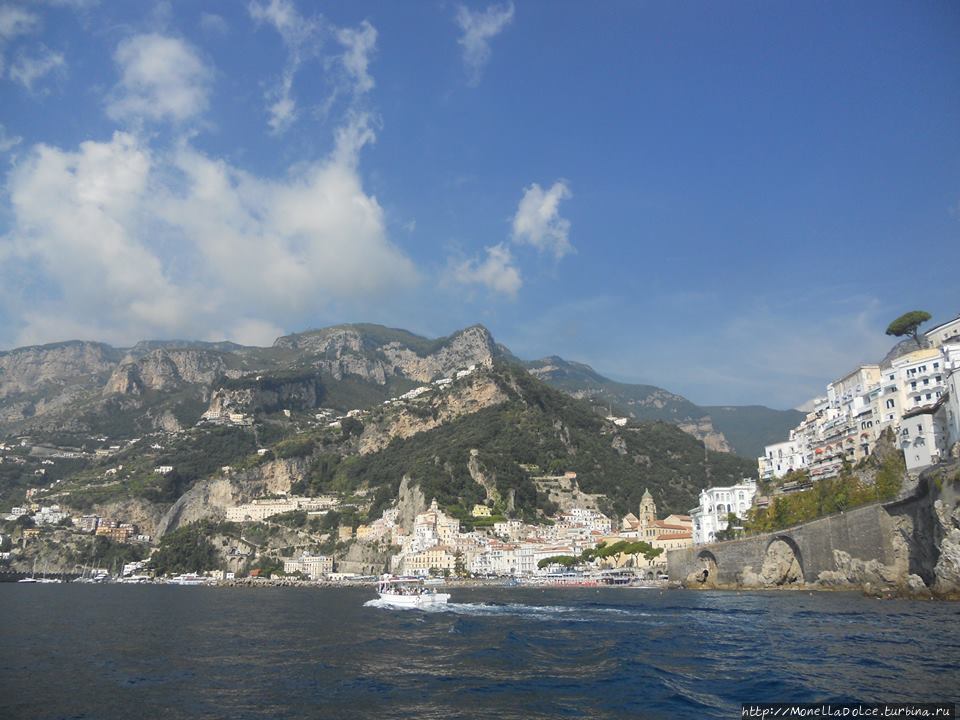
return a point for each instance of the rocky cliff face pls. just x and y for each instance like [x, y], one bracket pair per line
[929, 528]
[479, 392]
[301, 393]
[410, 503]
[347, 350]
[473, 346]
[212, 497]
[167, 369]
[703, 430]
[29, 369]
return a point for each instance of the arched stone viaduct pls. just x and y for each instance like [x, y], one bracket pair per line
[865, 533]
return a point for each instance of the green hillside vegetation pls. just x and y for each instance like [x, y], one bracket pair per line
[747, 429]
[187, 549]
[537, 426]
[621, 550]
[828, 496]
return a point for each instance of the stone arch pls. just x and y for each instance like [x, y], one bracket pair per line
[782, 562]
[707, 567]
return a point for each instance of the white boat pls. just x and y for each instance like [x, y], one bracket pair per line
[409, 593]
[190, 579]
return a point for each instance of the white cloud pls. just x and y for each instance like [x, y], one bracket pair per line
[359, 45]
[301, 37]
[250, 331]
[27, 70]
[162, 78]
[479, 28]
[538, 222]
[75, 4]
[134, 243]
[497, 272]
[15, 21]
[214, 24]
[8, 142]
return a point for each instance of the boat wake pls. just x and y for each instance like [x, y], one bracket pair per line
[536, 612]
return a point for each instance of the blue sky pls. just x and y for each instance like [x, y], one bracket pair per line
[729, 200]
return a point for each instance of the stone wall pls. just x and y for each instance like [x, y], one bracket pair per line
[865, 533]
[909, 546]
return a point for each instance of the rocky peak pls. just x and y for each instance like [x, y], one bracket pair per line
[376, 353]
[166, 369]
[25, 369]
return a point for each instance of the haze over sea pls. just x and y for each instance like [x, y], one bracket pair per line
[173, 652]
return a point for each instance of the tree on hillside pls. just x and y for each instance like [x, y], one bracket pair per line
[907, 324]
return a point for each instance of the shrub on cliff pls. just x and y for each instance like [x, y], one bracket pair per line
[186, 549]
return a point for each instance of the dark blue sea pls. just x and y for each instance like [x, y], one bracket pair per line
[90, 651]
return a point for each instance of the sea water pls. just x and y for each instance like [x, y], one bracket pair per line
[88, 651]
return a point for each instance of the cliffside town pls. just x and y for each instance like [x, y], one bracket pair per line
[356, 450]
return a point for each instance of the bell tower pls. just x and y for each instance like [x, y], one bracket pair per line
[648, 514]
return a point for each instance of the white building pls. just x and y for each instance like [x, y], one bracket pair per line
[710, 517]
[781, 458]
[845, 425]
[50, 515]
[313, 566]
[262, 508]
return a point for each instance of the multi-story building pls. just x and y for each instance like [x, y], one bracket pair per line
[262, 508]
[923, 435]
[859, 406]
[716, 504]
[88, 523]
[439, 559]
[313, 566]
[781, 458]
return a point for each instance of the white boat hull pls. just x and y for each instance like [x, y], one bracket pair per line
[415, 601]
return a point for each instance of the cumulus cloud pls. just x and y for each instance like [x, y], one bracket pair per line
[538, 221]
[28, 69]
[497, 272]
[478, 29]
[301, 37]
[132, 242]
[161, 78]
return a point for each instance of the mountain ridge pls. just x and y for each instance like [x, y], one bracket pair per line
[375, 360]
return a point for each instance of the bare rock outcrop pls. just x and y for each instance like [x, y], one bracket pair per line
[947, 569]
[473, 346]
[210, 498]
[473, 394]
[348, 350]
[410, 503]
[702, 429]
[164, 369]
[27, 369]
[364, 559]
[780, 566]
[851, 571]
